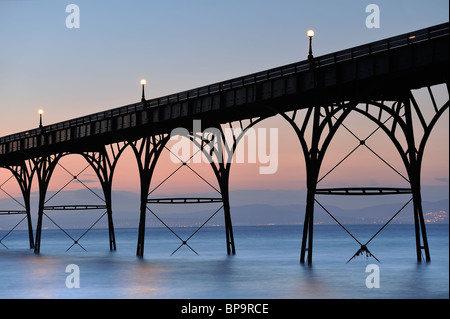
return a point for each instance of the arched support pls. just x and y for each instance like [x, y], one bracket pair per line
[219, 146]
[44, 167]
[402, 111]
[222, 173]
[413, 167]
[23, 173]
[104, 164]
[324, 123]
[147, 151]
[223, 177]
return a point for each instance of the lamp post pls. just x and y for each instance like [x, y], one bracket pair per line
[41, 111]
[310, 34]
[143, 83]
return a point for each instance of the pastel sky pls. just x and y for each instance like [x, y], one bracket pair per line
[182, 44]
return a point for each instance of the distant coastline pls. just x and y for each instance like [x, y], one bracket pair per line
[248, 208]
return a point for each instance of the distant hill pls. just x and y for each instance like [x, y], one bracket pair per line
[435, 212]
[248, 208]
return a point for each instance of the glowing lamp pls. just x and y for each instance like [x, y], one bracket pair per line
[41, 111]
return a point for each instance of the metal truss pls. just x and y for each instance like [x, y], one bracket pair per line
[147, 151]
[315, 132]
[44, 167]
[363, 247]
[23, 174]
[184, 200]
[410, 141]
[395, 118]
[323, 123]
[103, 163]
[12, 212]
[219, 153]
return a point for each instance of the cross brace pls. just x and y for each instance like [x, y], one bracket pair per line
[362, 191]
[75, 207]
[12, 212]
[185, 200]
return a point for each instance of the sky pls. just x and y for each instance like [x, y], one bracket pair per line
[182, 44]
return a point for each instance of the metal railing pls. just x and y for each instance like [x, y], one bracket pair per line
[322, 61]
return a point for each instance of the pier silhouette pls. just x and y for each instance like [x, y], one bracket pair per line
[314, 97]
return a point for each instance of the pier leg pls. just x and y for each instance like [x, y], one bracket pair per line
[145, 186]
[323, 127]
[307, 240]
[23, 174]
[30, 225]
[419, 224]
[147, 152]
[313, 161]
[44, 167]
[104, 164]
[413, 167]
[108, 200]
[37, 244]
[312, 173]
[231, 249]
[409, 129]
[219, 152]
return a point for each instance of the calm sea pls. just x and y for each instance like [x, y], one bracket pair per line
[266, 265]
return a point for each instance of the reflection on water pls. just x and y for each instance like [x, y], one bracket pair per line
[266, 266]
